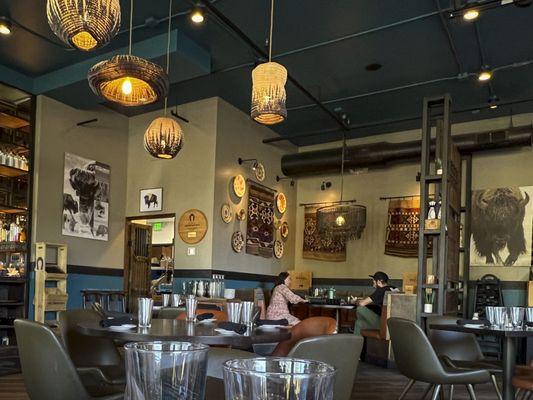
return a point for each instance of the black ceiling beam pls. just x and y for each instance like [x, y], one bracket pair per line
[261, 52]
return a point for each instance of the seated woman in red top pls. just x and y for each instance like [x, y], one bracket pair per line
[281, 296]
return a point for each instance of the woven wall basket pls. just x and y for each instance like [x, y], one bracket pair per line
[268, 93]
[149, 82]
[84, 24]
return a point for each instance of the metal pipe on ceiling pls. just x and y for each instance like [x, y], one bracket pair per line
[382, 154]
[261, 52]
[449, 36]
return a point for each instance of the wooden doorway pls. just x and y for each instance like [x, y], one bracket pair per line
[138, 255]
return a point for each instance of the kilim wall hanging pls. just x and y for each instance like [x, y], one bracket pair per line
[402, 228]
[260, 227]
[316, 247]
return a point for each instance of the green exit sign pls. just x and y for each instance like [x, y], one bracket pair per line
[157, 226]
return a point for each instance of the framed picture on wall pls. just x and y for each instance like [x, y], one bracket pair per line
[151, 200]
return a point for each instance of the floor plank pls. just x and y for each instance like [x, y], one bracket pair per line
[372, 383]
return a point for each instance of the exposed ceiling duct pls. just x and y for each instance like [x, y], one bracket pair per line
[381, 154]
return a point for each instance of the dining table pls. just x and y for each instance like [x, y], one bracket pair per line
[509, 337]
[181, 330]
[337, 308]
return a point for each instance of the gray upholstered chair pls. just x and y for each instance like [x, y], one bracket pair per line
[342, 351]
[47, 369]
[417, 360]
[461, 351]
[90, 351]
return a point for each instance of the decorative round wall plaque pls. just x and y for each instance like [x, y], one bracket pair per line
[260, 172]
[284, 230]
[226, 213]
[237, 241]
[278, 249]
[281, 202]
[239, 185]
[192, 226]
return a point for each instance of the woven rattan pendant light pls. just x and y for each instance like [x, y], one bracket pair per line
[127, 79]
[84, 24]
[268, 87]
[342, 220]
[164, 136]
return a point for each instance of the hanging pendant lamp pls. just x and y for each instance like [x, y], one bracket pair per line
[342, 220]
[164, 136]
[268, 87]
[127, 79]
[84, 24]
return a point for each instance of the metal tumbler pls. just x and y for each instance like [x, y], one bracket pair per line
[489, 311]
[176, 300]
[145, 311]
[529, 314]
[517, 316]
[166, 299]
[500, 315]
[247, 312]
[190, 307]
[234, 311]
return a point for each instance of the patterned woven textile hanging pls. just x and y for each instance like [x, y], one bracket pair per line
[84, 24]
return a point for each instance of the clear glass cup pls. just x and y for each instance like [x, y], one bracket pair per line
[176, 300]
[274, 378]
[233, 310]
[190, 308]
[146, 306]
[165, 297]
[165, 370]
[529, 314]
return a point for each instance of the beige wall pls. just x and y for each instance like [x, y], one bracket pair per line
[364, 256]
[187, 180]
[239, 136]
[106, 141]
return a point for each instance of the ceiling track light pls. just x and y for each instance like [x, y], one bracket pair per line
[5, 26]
[197, 15]
[485, 74]
[470, 14]
[493, 102]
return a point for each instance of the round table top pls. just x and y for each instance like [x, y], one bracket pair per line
[171, 329]
[339, 306]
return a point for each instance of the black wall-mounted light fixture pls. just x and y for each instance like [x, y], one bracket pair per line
[248, 160]
[284, 178]
[325, 185]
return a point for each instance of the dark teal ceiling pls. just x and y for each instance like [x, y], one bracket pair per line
[325, 45]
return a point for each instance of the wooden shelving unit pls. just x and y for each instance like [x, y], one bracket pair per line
[16, 136]
[445, 185]
[50, 279]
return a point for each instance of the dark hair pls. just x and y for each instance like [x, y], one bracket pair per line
[280, 280]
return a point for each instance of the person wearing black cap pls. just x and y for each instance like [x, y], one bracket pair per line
[369, 308]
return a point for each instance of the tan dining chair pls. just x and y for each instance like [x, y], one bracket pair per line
[48, 371]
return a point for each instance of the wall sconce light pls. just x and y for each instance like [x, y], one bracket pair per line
[284, 178]
[325, 185]
[254, 162]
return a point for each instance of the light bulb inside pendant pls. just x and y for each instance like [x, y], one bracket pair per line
[340, 221]
[126, 87]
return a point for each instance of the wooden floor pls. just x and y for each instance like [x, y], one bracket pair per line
[372, 383]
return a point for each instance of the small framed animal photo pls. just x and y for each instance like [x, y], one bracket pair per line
[151, 200]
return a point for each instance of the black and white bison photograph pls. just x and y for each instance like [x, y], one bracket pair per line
[85, 198]
[501, 227]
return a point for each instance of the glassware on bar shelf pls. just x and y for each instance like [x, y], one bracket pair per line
[273, 378]
[165, 370]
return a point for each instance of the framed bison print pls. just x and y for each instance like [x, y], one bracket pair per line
[85, 198]
[151, 200]
[502, 226]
